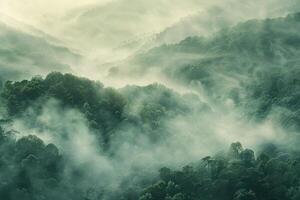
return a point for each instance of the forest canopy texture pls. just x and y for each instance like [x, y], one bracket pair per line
[233, 134]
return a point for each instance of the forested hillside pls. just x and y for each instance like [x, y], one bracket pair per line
[238, 174]
[33, 170]
[221, 123]
[254, 64]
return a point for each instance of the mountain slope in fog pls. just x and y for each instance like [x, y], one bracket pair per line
[23, 54]
[111, 132]
[265, 41]
[106, 109]
[254, 65]
[66, 137]
[103, 143]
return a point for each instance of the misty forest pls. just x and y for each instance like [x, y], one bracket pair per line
[150, 100]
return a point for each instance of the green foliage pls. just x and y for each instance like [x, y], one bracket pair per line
[239, 177]
[29, 168]
[102, 107]
[254, 65]
[244, 195]
[107, 110]
[276, 93]
[152, 113]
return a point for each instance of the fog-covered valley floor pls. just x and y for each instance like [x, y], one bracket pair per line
[149, 100]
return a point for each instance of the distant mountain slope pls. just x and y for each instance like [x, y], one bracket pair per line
[225, 67]
[23, 55]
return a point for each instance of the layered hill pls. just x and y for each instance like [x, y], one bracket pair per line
[24, 54]
[254, 65]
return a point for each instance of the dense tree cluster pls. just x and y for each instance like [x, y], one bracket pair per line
[236, 175]
[103, 107]
[255, 65]
[276, 93]
[29, 168]
[106, 109]
[72, 91]
[32, 170]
